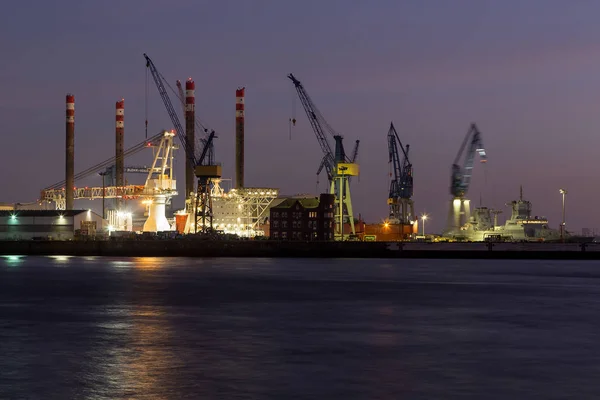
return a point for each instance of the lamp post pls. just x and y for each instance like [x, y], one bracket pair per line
[562, 226]
[423, 219]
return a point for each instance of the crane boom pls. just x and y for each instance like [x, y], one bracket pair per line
[319, 126]
[461, 174]
[158, 80]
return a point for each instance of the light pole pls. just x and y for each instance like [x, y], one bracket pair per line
[562, 226]
[423, 219]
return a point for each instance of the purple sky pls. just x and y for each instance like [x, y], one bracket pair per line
[527, 72]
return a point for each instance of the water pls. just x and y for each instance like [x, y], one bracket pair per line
[152, 328]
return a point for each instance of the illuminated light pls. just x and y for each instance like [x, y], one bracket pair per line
[386, 225]
[61, 259]
[13, 217]
[13, 260]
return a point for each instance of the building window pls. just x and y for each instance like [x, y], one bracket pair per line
[284, 214]
[275, 235]
[284, 224]
[284, 235]
[275, 214]
[275, 224]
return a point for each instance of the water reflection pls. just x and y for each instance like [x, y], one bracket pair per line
[121, 264]
[13, 261]
[60, 260]
[148, 263]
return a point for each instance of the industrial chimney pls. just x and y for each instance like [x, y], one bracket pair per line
[70, 152]
[239, 137]
[190, 123]
[120, 133]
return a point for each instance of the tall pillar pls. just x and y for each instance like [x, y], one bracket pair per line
[120, 132]
[190, 134]
[70, 153]
[239, 137]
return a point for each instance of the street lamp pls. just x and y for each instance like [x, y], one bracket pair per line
[562, 227]
[424, 218]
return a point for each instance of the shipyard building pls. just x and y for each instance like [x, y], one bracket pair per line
[307, 218]
[48, 224]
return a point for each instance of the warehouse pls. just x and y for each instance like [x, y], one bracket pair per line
[48, 224]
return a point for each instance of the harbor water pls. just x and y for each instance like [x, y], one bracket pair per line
[183, 328]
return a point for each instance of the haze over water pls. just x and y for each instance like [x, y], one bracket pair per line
[75, 328]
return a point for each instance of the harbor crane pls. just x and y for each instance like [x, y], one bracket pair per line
[338, 166]
[461, 179]
[203, 168]
[401, 186]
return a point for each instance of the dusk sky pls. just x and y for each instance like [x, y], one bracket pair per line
[527, 72]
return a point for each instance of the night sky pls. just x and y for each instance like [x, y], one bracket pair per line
[527, 72]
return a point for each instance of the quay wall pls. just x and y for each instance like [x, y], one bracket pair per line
[265, 248]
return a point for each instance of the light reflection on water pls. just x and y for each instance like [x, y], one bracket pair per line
[149, 328]
[13, 260]
[60, 260]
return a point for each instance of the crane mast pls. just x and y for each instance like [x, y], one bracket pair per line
[338, 166]
[204, 171]
[460, 180]
[401, 185]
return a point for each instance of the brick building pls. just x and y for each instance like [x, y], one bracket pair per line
[303, 218]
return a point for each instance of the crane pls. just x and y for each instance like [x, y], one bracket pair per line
[338, 166]
[401, 185]
[461, 178]
[461, 174]
[203, 169]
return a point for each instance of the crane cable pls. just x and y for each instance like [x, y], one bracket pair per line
[146, 103]
[292, 120]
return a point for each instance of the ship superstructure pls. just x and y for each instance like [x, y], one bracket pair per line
[521, 226]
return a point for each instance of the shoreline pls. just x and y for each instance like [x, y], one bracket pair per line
[274, 249]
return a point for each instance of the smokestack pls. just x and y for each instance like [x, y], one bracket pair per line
[120, 132]
[190, 123]
[70, 152]
[239, 137]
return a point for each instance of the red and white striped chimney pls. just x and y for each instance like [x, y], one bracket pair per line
[190, 133]
[119, 136]
[70, 152]
[240, 97]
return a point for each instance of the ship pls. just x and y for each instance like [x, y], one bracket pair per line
[521, 226]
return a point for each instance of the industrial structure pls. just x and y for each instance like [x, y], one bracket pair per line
[119, 154]
[460, 212]
[402, 213]
[201, 210]
[70, 152]
[338, 166]
[190, 133]
[210, 207]
[240, 95]
[48, 224]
